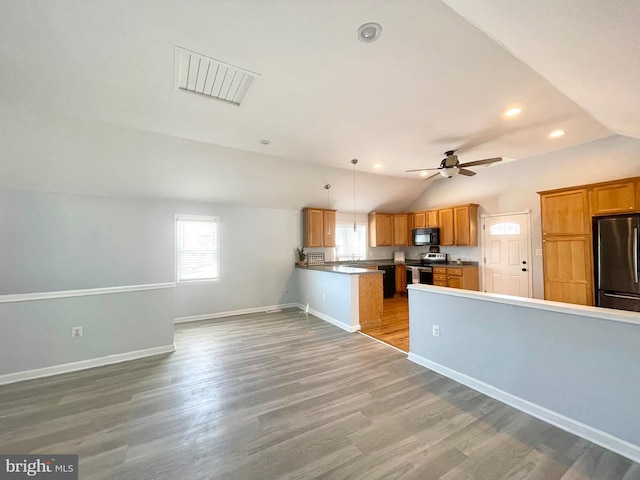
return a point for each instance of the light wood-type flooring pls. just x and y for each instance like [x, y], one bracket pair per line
[286, 396]
[393, 328]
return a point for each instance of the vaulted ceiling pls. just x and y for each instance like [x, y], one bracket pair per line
[440, 76]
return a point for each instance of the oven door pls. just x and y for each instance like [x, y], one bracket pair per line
[426, 275]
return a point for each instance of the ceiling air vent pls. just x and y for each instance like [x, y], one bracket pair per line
[212, 78]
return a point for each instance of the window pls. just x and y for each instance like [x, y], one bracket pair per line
[196, 248]
[351, 245]
[506, 228]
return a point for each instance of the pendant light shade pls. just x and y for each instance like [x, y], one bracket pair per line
[354, 161]
[327, 188]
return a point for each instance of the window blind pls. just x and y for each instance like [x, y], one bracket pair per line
[351, 245]
[196, 248]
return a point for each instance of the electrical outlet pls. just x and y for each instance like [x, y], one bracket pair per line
[435, 330]
[76, 332]
[538, 252]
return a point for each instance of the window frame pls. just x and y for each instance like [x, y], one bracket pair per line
[185, 217]
[366, 239]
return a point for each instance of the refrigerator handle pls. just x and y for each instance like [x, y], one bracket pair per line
[635, 252]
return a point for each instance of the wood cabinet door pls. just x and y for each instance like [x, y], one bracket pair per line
[567, 269]
[461, 230]
[431, 218]
[454, 282]
[384, 229]
[329, 228]
[445, 219]
[565, 213]
[400, 229]
[312, 227]
[401, 278]
[616, 198]
[419, 220]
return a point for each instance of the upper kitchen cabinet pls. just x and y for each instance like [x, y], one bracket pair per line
[459, 225]
[318, 227]
[400, 229]
[611, 198]
[431, 218]
[380, 229]
[565, 212]
[425, 219]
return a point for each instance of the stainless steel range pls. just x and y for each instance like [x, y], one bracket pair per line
[424, 272]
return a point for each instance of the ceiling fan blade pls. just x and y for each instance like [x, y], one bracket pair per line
[466, 173]
[431, 176]
[422, 169]
[486, 161]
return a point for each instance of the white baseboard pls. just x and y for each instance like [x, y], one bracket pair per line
[604, 439]
[84, 364]
[231, 313]
[331, 320]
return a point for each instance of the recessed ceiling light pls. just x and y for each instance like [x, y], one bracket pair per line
[556, 133]
[265, 142]
[377, 165]
[369, 32]
[513, 112]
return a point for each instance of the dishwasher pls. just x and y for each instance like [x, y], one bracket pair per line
[388, 280]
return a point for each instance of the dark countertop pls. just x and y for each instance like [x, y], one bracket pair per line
[408, 262]
[342, 269]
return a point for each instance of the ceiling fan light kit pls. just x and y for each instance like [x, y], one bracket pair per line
[450, 166]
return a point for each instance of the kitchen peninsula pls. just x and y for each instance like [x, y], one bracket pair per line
[347, 297]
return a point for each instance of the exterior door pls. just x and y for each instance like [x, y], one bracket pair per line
[507, 256]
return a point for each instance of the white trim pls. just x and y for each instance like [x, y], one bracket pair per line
[327, 318]
[604, 439]
[29, 297]
[489, 215]
[528, 241]
[608, 314]
[231, 313]
[84, 364]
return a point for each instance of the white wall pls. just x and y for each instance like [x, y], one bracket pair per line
[54, 242]
[512, 187]
[576, 367]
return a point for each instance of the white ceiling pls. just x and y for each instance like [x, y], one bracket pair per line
[437, 79]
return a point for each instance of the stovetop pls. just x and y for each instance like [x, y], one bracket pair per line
[433, 258]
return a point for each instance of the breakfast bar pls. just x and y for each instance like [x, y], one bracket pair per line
[574, 366]
[347, 297]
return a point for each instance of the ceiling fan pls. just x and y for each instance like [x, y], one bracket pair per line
[450, 166]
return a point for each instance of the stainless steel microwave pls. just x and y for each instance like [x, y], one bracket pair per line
[425, 236]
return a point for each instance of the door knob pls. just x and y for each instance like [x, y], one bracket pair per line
[524, 269]
[524, 262]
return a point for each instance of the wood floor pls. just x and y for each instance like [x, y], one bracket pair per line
[286, 396]
[394, 325]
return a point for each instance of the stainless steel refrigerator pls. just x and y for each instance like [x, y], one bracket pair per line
[616, 262]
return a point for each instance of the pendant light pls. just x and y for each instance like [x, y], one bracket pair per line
[354, 161]
[327, 188]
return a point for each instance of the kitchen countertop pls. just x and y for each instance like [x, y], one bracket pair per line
[340, 269]
[409, 263]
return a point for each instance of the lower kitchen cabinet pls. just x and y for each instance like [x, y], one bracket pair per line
[568, 269]
[401, 279]
[457, 277]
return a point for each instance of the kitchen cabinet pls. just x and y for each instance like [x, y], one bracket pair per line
[401, 278]
[431, 218]
[565, 212]
[425, 219]
[419, 220]
[400, 230]
[380, 229]
[566, 246]
[329, 228]
[567, 269]
[613, 198]
[318, 227]
[457, 277]
[459, 225]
